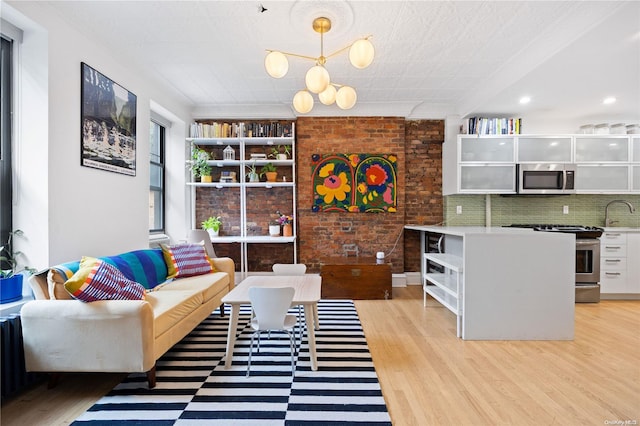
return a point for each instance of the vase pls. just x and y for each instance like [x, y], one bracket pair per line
[287, 230]
[274, 230]
[281, 156]
[212, 233]
[11, 289]
[253, 177]
[271, 176]
[207, 179]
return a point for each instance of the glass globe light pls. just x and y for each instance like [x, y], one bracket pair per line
[303, 102]
[346, 97]
[328, 96]
[317, 79]
[361, 53]
[276, 64]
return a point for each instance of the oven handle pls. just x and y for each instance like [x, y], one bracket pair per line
[588, 242]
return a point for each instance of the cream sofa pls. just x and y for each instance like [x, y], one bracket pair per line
[116, 335]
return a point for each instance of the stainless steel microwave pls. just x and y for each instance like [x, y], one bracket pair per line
[546, 178]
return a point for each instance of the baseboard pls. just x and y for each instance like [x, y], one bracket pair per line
[619, 296]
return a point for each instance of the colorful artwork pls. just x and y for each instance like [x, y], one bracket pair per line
[354, 182]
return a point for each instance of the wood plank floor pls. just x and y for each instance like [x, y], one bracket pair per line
[430, 377]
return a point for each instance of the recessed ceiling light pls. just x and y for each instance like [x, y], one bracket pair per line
[608, 101]
[525, 100]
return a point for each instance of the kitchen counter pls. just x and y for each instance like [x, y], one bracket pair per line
[621, 229]
[503, 283]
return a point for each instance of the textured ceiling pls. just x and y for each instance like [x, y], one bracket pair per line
[433, 59]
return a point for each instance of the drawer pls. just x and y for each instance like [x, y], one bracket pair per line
[613, 282]
[614, 237]
[613, 250]
[613, 263]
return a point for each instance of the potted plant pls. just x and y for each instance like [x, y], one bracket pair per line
[212, 226]
[270, 171]
[11, 276]
[252, 174]
[281, 152]
[286, 222]
[199, 164]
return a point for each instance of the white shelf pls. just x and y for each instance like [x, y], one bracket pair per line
[243, 147]
[449, 261]
[447, 300]
[447, 282]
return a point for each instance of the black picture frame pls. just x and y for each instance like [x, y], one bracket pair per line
[108, 124]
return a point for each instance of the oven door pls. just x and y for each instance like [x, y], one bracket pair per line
[587, 261]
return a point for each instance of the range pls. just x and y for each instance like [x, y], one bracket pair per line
[587, 256]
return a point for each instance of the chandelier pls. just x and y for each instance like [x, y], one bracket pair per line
[317, 79]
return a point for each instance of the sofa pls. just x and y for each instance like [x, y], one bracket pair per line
[63, 333]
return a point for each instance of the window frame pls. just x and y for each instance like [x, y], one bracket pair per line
[6, 138]
[162, 132]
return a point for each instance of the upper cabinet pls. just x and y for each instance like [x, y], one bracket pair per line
[487, 164]
[542, 149]
[602, 149]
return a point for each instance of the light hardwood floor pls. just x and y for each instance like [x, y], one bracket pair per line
[430, 377]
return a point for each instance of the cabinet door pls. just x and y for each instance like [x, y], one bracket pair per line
[487, 150]
[602, 149]
[602, 178]
[635, 144]
[544, 149]
[633, 266]
[487, 178]
[635, 180]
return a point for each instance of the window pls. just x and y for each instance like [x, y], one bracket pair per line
[156, 173]
[6, 93]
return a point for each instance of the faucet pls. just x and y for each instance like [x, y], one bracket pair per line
[609, 222]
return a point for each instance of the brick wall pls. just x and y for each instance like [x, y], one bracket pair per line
[326, 234]
[418, 146]
[423, 194]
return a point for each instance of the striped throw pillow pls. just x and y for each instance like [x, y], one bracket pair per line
[98, 280]
[186, 260]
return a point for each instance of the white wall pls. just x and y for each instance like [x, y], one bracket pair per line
[67, 210]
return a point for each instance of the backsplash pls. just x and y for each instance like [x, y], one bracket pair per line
[585, 210]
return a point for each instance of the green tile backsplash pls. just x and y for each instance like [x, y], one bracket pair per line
[583, 210]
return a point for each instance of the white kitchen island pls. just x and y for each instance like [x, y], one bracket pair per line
[503, 283]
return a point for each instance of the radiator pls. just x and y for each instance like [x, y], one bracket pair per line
[14, 377]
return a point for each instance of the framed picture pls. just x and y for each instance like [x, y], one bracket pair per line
[108, 125]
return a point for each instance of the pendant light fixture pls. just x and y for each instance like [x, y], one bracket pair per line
[317, 79]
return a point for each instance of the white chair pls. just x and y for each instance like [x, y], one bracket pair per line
[294, 269]
[270, 306]
[198, 235]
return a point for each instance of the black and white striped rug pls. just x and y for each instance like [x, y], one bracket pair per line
[193, 387]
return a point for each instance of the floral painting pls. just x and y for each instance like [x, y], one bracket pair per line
[354, 182]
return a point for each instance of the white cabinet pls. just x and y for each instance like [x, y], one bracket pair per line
[247, 199]
[483, 165]
[602, 149]
[543, 149]
[602, 178]
[619, 264]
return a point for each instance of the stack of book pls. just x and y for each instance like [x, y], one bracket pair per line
[214, 129]
[492, 126]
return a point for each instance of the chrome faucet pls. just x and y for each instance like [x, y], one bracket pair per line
[609, 222]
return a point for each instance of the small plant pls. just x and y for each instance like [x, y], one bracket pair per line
[284, 219]
[252, 174]
[280, 149]
[8, 257]
[212, 223]
[199, 165]
[268, 168]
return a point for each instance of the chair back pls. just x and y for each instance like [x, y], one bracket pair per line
[270, 305]
[198, 235]
[289, 268]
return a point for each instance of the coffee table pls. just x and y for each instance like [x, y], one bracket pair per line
[307, 294]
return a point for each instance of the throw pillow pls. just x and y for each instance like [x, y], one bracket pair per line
[186, 260]
[98, 280]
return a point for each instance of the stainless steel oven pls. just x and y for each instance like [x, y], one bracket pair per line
[587, 261]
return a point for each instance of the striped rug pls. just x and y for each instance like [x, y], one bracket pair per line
[193, 387]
